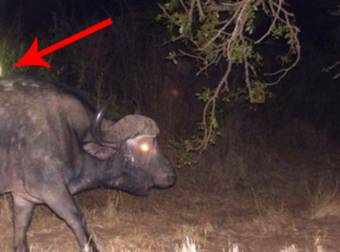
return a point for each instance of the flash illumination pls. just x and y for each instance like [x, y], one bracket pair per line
[144, 147]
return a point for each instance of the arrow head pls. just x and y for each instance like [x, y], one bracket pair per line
[32, 57]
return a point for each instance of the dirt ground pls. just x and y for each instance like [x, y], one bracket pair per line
[286, 201]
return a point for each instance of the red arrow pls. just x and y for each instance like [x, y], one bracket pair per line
[33, 57]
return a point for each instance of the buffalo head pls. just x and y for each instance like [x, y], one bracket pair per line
[130, 145]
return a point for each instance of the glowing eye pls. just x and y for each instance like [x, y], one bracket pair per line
[144, 147]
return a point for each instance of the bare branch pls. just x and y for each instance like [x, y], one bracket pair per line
[200, 9]
[184, 6]
[270, 29]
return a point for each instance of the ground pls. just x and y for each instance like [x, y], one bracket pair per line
[286, 201]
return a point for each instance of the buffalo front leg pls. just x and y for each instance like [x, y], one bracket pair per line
[22, 210]
[64, 206]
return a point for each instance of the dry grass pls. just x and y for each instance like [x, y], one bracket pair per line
[325, 199]
[5, 207]
[290, 248]
[188, 245]
[176, 221]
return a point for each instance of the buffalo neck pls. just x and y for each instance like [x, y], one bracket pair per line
[94, 173]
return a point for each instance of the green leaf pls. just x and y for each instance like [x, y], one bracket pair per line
[257, 93]
[205, 95]
[172, 56]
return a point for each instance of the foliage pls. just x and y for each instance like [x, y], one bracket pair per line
[8, 56]
[11, 50]
[183, 150]
[233, 33]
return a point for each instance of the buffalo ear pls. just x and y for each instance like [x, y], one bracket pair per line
[99, 151]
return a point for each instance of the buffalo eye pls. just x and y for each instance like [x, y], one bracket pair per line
[144, 147]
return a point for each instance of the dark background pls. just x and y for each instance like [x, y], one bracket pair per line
[307, 93]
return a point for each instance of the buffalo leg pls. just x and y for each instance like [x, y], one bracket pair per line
[64, 206]
[23, 210]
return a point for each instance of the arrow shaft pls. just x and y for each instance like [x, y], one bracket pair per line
[75, 37]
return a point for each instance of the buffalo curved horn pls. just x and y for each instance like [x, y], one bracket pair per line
[96, 126]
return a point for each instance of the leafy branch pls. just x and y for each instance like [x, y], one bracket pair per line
[231, 31]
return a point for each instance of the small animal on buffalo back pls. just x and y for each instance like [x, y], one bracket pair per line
[52, 146]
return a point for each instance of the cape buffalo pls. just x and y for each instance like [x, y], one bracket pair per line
[52, 146]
